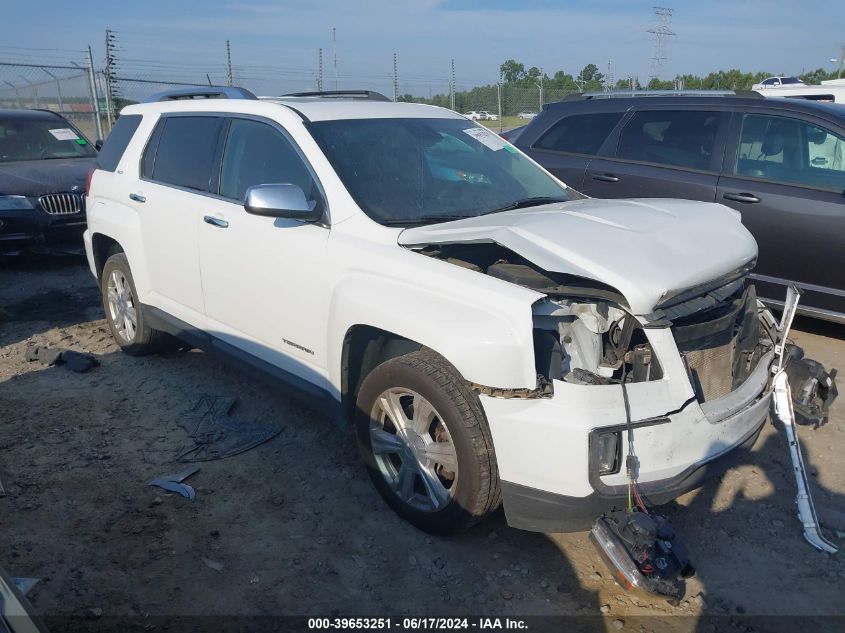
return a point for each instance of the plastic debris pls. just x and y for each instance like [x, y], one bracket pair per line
[213, 564]
[25, 585]
[173, 483]
[217, 435]
[75, 361]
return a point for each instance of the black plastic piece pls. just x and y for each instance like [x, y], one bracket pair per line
[365, 95]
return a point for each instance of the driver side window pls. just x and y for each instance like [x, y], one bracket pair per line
[258, 154]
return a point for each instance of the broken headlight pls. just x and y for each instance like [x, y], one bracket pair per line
[608, 452]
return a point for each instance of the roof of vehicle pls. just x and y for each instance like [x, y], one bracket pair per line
[623, 103]
[309, 107]
[31, 115]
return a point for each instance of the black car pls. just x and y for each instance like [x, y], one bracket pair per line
[44, 162]
[779, 162]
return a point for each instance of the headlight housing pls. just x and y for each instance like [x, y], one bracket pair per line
[12, 203]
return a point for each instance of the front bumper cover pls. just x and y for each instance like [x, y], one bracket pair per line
[541, 511]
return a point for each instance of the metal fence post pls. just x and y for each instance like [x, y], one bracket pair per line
[499, 95]
[95, 98]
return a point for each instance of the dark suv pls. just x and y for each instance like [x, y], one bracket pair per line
[779, 162]
[44, 162]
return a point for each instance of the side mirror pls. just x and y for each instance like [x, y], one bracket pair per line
[281, 201]
[98, 144]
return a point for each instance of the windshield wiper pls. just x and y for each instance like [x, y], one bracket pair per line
[536, 201]
[425, 219]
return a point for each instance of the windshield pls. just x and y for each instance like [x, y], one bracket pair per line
[416, 171]
[23, 138]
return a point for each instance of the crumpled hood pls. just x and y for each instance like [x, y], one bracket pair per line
[37, 177]
[644, 248]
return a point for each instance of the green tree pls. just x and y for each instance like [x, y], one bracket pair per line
[512, 71]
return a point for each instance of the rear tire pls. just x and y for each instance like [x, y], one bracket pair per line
[124, 313]
[436, 467]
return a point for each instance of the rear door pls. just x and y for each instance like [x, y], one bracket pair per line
[567, 146]
[175, 179]
[663, 152]
[785, 172]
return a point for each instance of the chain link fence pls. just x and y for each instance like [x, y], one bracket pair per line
[67, 90]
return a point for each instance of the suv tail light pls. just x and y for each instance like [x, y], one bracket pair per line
[88, 180]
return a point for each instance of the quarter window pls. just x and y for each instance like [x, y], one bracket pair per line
[258, 154]
[674, 138]
[788, 150]
[579, 134]
[185, 152]
[116, 143]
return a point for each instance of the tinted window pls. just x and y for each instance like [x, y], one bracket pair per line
[116, 143]
[579, 134]
[677, 139]
[258, 154]
[186, 151]
[788, 150]
[25, 137]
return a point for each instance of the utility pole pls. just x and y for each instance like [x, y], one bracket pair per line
[334, 54]
[452, 87]
[107, 74]
[228, 64]
[319, 70]
[395, 79]
[92, 86]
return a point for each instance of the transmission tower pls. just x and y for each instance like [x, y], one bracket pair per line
[661, 33]
[229, 78]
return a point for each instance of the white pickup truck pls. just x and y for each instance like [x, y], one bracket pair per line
[493, 335]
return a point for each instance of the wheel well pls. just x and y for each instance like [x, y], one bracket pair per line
[103, 247]
[364, 348]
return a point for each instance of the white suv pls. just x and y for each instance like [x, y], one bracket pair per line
[493, 335]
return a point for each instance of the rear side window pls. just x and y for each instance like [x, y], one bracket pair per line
[579, 134]
[677, 139]
[118, 139]
[185, 152]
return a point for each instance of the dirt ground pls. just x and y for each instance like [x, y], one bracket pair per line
[296, 526]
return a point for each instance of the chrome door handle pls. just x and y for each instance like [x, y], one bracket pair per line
[210, 219]
[137, 197]
[606, 177]
[746, 198]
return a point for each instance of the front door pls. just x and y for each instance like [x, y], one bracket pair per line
[264, 279]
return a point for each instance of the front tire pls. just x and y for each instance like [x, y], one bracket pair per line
[124, 313]
[426, 444]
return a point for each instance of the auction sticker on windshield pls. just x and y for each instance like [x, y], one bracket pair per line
[64, 134]
[485, 137]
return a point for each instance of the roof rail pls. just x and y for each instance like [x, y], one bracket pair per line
[662, 93]
[209, 92]
[367, 95]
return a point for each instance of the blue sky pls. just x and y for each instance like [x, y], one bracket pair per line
[274, 44]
